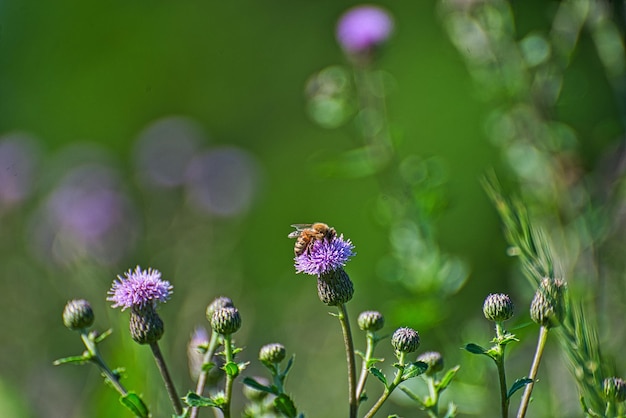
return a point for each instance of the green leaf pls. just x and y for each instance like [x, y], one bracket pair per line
[379, 375]
[231, 369]
[373, 361]
[194, 400]
[446, 379]
[289, 364]
[248, 381]
[517, 385]
[476, 349]
[207, 366]
[285, 406]
[414, 369]
[72, 359]
[133, 402]
[99, 338]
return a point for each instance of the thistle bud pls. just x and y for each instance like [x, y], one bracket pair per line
[220, 302]
[547, 307]
[405, 340]
[226, 320]
[615, 389]
[78, 314]
[335, 287]
[434, 361]
[272, 353]
[498, 307]
[371, 321]
[146, 326]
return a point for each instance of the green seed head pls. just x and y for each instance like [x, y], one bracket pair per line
[498, 307]
[220, 302]
[548, 305]
[78, 314]
[272, 353]
[226, 320]
[405, 340]
[371, 321]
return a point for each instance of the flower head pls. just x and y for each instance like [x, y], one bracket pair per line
[371, 321]
[139, 289]
[405, 340]
[498, 307]
[362, 28]
[78, 314]
[325, 256]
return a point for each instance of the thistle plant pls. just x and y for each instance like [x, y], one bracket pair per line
[498, 308]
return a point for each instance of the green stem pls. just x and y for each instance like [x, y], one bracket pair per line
[228, 389]
[347, 339]
[369, 352]
[208, 356]
[433, 409]
[94, 357]
[167, 379]
[541, 342]
[388, 389]
[504, 400]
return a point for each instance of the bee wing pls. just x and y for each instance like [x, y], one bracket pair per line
[299, 228]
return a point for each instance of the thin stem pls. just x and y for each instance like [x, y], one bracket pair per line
[433, 409]
[369, 352]
[504, 400]
[541, 342]
[228, 389]
[208, 356]
[388, 389]
[95, 358]
[347, 339]
[167, 379]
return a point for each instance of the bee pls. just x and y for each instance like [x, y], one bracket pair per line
[307, 234]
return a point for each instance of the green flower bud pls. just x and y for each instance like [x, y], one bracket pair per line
[272, 353]
[547, 308]
[220, 302]
[371, 321]
[146, 326]
[434, 361]
[335, 287]
[226, 320]
[405, 340]
[78, 314]
[498, 307]
[615, 389]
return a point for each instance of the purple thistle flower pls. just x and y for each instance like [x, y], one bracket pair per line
[362, 28]
[325, 256]
[140, 288]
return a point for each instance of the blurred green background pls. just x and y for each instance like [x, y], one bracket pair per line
[91, 97]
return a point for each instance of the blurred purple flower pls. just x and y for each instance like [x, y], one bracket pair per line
[223, 181]
[86, 216]
[18, 158]
[324, 256]
[362, 28]
[164, 150]
[139, 288]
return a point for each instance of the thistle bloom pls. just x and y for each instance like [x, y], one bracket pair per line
[362, 28]
[139, 289]
[325, 256]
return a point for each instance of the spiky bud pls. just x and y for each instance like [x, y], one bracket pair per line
[219, 302]
[371, 321]
[498, 307]
[226, 320]
[335, 287]
[434, 361]
[615, 389]
[272, 353]
[78, 314]
[547, 308]
[146, 326]
[405, 340]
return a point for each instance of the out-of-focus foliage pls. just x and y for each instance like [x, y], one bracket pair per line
[186, 136]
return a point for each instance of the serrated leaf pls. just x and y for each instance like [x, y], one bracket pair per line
[133, 402]
[446, 379]
[285, 406]
[475, 349]
[231, 369]
[379, 375]
[289, 364]
[517, 385]
[248, 381]
[507, 339]
[196, 401]
[414, 369]
[72, 359]
[373, 361]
